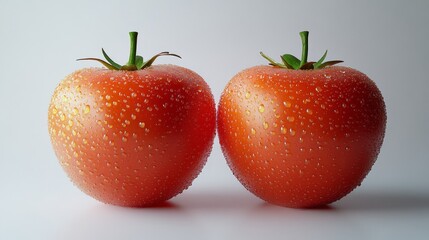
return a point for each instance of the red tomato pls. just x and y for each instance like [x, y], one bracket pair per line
[132, 138]
[301, 138]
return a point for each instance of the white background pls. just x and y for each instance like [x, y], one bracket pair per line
[40, 40]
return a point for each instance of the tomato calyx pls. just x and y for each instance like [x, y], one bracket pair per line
[135, 62]
[289, 61]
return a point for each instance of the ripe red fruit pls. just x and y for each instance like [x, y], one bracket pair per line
[301, 134]
[132, 137]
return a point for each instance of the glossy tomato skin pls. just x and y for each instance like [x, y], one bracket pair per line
[132, 138]
[301, 138]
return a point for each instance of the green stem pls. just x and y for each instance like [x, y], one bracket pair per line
[133, 49]
[304, 53]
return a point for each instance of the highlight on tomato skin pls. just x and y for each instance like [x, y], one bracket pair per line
[132, 137]
[301, 138]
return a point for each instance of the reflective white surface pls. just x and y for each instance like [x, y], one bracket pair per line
[218, 213]
[40, 40]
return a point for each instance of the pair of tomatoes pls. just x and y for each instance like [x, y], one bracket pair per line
[296, 133]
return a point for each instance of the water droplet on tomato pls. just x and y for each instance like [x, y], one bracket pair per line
[309, 111]
[75, 111]
[287, 104]
[290, 118]
[283, 130]
[142, 124]
[247, 96]
[86, 109]
[253, 131]
[261, 108]
[62, 117]
[265, 124]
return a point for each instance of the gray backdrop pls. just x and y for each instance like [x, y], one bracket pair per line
[40, 40]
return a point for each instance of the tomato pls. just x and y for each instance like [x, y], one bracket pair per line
[301, 137]
[132, 137]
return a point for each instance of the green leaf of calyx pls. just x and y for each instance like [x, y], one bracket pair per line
[271, 61]
[319, 63]
[107, 65]
[291, 60]
[139, 62]
[113, 63]
[152, 59]
[135, 62]
[330, 63]
[307, 66]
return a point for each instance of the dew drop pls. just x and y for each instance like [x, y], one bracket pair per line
[107, 97]
[62, 117]
[261, 108]
[247, 96]
[290, 118]
[292, 132]
[309, 111]
[75, 111]
[283, 130]
[253, 131]
[133, 117]
[265, 125]
[124, 139]
[318, 89]
[287, 104]
[142, 124]
[133, 95]
[86, 109]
